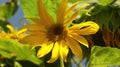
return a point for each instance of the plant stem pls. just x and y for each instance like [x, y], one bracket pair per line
[61, 62]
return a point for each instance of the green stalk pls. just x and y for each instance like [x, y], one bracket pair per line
[61, 62]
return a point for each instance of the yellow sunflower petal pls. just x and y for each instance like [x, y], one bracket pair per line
[11, 28]
[21, 31]
[33, 27]
[37, 32]
[61, 11]
[45, 49]
[75, 14]
[75, 47]
[55, 53]
[4, 35]
[33, 38]
[36, 20]
[39, 22]
[35, 44]
[85, 28]
[70, 9]
[64, 51]
[80, 39]
[43, 13]
[72, 18]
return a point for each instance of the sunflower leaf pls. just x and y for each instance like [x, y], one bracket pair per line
[106, 2]
[104, 56]
[30, 7]
[12, 48]
[72, 1]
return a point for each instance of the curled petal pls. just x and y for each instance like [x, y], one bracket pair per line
[45, 49]
[11, 28]
[21, 31]
[85, 28]
[40, 43]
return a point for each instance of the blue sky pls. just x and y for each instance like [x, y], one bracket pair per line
[16, 18]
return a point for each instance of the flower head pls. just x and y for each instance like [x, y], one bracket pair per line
[13, 34]
[58, 36]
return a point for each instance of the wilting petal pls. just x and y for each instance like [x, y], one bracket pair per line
[55, 53]
[61, 11]
[85, 28]
[80, 39]
[45, 49]
[44, 16]
[75, 47]
[64, 51]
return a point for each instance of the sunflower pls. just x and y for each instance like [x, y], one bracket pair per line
[13, 34]
[58, 36]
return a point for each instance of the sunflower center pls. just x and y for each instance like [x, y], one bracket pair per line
[56, 32]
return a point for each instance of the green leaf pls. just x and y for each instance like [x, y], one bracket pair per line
[115, 20]
[72, 1]
[8, 9]
[30, 8]
[104, 56]
[106, 2]
[17, 64]
[11, 48]
[104, 17]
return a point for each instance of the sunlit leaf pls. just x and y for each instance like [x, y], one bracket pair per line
[12, 48]
[106, 2]
[30, 7]
[104, 56]
[72, 1]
